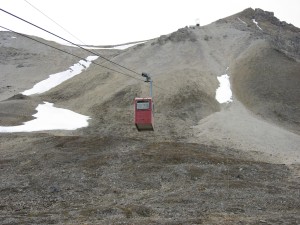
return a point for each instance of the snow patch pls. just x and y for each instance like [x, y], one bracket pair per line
[120, 47]
[256, 24]
[223, 92]
[56, 79]
[242, 21]
[49, 117]
[13, 37]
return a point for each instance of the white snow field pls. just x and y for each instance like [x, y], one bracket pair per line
[58, 78]
[119, 47]
[49, 117]
[256, 24]
[223, 92]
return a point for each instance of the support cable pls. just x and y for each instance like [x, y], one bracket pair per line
[54, 22]
[78, 47]
[71, 53]
[69, 42]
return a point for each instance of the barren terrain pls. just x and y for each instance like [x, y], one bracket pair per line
[205, 163]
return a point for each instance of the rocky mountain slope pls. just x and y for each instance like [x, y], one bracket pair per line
[230, 157]
[185, 65]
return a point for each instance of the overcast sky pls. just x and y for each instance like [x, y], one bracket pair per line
[101, 22]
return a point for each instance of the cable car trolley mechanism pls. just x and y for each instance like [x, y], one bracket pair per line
[144, 109]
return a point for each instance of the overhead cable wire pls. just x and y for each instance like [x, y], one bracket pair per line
[83, 44]
[116, 71]
[24, 35]
[78, 47]
[54, 22]
[69, 42]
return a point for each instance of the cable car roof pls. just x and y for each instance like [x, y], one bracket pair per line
[146, 98]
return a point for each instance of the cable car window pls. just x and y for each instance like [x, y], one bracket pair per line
[143, 105]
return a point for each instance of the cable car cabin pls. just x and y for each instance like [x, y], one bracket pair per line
[143, 114]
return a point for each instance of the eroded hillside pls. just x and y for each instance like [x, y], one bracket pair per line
[184, 66]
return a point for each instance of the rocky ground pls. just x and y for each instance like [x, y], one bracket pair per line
[113, 180]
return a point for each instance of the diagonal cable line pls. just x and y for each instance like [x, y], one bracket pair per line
[55, 22]
[87, 50]
[70, 42]
[70, 53]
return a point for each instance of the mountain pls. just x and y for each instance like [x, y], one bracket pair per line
[215, 152]
[184, 66]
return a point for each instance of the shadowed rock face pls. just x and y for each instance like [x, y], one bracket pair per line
[283, 36]
[267, 82]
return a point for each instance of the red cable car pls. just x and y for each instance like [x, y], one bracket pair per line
[143, 114]
[144, 109]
